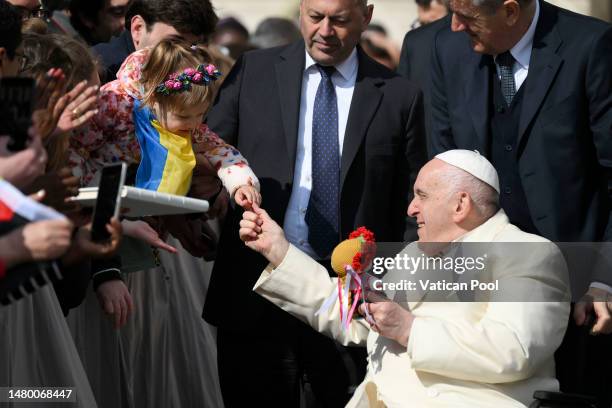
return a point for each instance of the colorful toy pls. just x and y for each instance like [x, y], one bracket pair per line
[350, 259]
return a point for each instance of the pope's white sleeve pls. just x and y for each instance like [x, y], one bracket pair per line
[300, 285]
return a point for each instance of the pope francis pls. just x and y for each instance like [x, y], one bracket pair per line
[482, 353]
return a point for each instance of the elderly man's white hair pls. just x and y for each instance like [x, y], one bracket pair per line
[484, 197]
[492, 5]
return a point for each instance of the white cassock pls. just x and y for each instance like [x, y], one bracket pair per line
[460, 354]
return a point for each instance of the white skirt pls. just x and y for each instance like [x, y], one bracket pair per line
[36, 349]
[166, 355]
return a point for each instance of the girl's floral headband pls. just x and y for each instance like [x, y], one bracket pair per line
[181, 81]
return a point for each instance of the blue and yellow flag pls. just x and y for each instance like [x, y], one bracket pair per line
[167, 159]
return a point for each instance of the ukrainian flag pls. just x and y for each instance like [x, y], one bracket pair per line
[167, 159]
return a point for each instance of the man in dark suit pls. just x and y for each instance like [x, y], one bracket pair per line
[529, 85]
[336, 141]
[415, 61]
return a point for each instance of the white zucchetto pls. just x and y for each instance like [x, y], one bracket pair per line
[474, 163]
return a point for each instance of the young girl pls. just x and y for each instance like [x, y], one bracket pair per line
[152, 115]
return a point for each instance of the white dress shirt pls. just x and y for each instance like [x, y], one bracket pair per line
[296, 229]
[522, 52]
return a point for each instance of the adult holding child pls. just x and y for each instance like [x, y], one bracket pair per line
[147, 98]
[155, 110]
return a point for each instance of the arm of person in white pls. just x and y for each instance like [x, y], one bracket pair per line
[510, 340]
[293, 281]
[299, 286]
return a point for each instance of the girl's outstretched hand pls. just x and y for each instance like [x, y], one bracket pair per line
[246, 196]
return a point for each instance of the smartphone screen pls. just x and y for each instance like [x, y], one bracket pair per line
[16, 104]
[108, 201]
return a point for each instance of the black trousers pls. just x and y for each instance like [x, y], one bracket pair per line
[584, 364]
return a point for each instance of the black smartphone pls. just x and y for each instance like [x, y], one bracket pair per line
[108, 202]
[16, 104]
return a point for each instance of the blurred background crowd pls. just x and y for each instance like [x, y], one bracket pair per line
[73, 48]
[245, 25]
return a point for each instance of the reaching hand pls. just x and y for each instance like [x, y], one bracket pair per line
[51, 102]
[246, 196]
[390, 320]
[143, 231]
[595, 300]
[262, 234]
[82, 105]
[116, 301]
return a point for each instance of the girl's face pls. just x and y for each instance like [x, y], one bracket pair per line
[182, 121]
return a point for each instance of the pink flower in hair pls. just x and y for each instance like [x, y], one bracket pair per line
[210, 69]
[180, 82]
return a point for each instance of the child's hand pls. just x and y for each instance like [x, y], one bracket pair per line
[246, 196]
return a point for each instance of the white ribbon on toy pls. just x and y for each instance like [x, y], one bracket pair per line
[352, 282]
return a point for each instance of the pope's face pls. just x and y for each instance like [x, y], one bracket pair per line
[431, 205]
[332, 28]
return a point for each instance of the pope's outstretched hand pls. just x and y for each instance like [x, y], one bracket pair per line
[262, 234]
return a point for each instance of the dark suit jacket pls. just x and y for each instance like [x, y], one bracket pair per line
[565, 133]
[113, 53]
[415, 61]
[257, 111]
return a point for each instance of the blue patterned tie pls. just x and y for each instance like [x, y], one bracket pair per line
[322, 214]
[505, 61]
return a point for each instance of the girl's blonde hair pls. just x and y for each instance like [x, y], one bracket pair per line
[173, 55]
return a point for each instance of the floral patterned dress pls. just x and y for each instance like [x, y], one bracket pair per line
[110, 135]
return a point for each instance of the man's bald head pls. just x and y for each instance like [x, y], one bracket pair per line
[332, 28]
